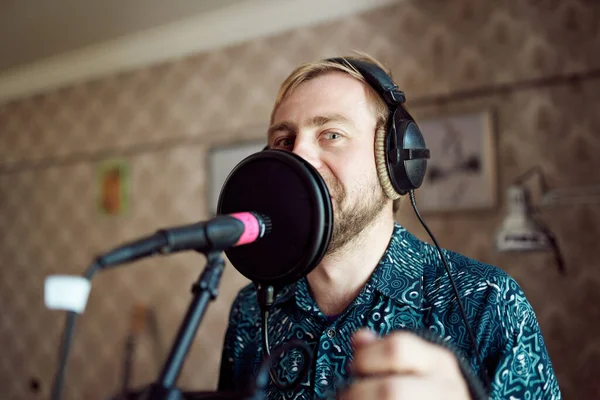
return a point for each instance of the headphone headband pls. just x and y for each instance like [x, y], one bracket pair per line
[377, 78]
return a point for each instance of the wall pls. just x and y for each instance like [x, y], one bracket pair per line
[163, 119]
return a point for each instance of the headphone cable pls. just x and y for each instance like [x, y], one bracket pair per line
[454, 289]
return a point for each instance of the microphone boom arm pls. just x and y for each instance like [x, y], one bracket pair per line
[204, 290]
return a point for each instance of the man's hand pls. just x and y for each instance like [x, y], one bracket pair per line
[403, 366]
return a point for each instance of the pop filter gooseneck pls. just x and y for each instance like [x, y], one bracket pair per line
[288, 190]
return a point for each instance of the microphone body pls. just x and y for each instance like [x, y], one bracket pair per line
[217, 234]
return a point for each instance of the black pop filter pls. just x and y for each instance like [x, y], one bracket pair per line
[288, 190]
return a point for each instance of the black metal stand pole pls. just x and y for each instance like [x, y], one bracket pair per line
[65, 348]
[67, 341]
[204, 290]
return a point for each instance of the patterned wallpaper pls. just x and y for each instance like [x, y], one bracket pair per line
[163, 119]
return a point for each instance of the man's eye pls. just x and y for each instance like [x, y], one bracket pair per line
[283, 142]
[332, 135]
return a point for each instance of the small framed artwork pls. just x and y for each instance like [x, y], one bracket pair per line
[461, 173]
[221, 161]
[113, 187]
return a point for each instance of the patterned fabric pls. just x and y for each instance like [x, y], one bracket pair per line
[410, 290]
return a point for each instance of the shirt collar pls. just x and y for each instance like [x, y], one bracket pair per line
[399, 275]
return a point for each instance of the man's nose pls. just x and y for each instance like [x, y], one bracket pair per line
[308, 151]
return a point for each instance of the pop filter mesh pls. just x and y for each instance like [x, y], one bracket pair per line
[293, 195]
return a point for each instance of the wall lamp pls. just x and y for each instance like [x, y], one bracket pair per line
[522, 230]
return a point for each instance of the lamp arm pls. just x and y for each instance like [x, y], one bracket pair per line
[558, 257]
[560, 262]
[535, 170]
[572, 195]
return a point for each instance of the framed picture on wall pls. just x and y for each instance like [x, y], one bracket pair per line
[113, 187]
[221, 161]
[461, 173]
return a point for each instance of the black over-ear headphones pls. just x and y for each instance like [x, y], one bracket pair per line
[400, 152]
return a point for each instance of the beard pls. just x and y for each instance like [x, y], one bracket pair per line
[352, 214]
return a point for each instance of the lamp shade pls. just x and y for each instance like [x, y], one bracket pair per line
[519, 230]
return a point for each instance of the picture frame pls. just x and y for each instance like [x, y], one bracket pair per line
[461, 173]
[112, 188]
[222, 159]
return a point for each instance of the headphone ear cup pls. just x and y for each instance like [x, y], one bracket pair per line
[381, 163]
[404, 174]
[416, 168]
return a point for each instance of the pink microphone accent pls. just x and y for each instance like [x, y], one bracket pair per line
[252, 227]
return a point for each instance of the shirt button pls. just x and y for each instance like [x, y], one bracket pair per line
[330, 333]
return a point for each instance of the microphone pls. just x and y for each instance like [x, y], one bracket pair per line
[215, 235]
[209, 237]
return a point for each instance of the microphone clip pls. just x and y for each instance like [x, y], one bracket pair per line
[265, 295]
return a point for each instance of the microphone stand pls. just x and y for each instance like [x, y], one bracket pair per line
[204, 290]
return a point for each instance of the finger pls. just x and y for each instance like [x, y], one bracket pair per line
[362, 337]
[394, 387]
[403, 353]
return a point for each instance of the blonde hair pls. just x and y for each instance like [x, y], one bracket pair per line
[311, 70]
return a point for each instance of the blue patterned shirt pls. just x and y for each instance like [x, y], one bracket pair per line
[409, 290]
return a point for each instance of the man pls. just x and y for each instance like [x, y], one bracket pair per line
[378, 285]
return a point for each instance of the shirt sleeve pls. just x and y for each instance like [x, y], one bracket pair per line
[524, 369]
